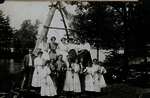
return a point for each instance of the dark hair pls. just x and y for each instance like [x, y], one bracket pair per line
[40, 52]
[53, 37]
[47, 62]
[63, 39]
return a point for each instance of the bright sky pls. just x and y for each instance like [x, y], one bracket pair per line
[19, 11]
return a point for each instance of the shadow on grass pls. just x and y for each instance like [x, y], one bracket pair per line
[122, 91]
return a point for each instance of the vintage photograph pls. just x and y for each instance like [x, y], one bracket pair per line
[74, 49]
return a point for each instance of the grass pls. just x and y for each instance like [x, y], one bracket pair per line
[113, 91]
[122, 91]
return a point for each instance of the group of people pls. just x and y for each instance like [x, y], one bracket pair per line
[58, 68]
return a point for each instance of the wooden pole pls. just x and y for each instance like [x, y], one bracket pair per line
[61, 28]
[67, 33]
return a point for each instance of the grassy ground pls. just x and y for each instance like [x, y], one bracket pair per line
[112, 91]
[122, 91]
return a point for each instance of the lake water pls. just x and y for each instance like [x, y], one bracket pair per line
[10, 73]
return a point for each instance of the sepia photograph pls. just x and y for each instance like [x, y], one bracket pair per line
[74, 49]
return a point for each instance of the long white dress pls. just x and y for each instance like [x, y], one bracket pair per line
[94, 80]
[37, 65]
[76, 80]
[47, 85]
[68, 85]
[102, 80]
[89, 86]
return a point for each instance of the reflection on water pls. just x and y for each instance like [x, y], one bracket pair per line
[9, 71]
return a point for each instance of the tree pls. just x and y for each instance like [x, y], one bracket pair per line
[107, 25]
[5, 28]
[27, 33]
[5, 31]
[111, 26]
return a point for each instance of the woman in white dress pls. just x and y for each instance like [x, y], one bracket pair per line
[38, 62]
[47, 85]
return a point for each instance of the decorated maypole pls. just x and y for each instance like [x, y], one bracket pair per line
[45, 29]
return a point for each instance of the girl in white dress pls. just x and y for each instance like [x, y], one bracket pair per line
[47, 85]
[76, 81]
[89, 86]
[68, 85]
[37, 65]
[94, 79]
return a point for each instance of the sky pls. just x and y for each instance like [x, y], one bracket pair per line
[18, 11]
[21, 10]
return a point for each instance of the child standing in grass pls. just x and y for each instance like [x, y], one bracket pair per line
[47, 85]
[76, 80]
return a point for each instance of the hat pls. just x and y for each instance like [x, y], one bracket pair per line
[53, 37]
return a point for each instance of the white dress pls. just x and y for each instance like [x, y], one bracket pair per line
[76, 80]
[68, 85]
[37, 65]
[47, 85]
[45, 56]
[102, 80]
[94, 80]
[89, 86]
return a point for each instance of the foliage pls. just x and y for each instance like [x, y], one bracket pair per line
[26, 35]
[5, 28]
[106, 25]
